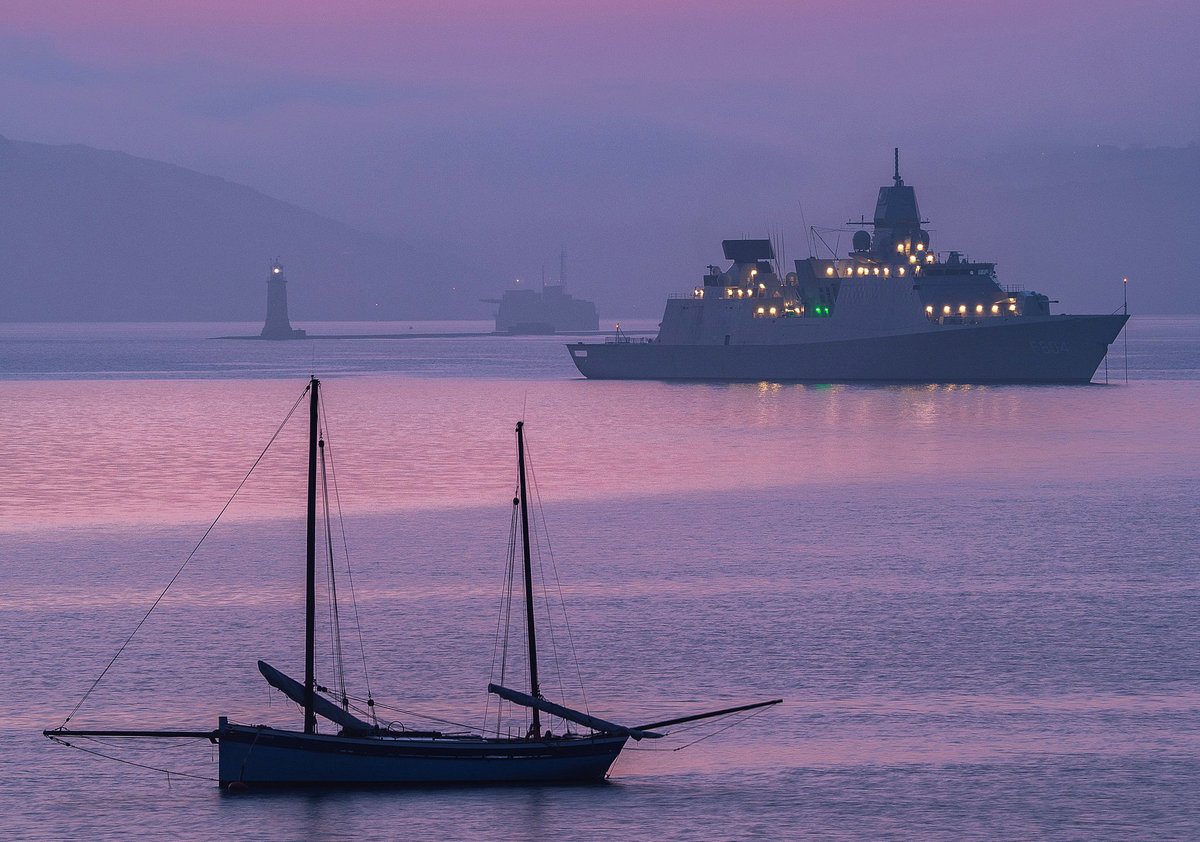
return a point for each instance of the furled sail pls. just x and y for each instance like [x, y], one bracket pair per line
[593, 722]
[294, 690]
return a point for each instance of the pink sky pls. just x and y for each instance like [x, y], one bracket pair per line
[428, 118]
[1097, 64]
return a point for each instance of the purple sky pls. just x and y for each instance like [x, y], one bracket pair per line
[511, 129]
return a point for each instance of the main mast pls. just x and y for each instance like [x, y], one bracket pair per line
[536, 727]
[310, 607]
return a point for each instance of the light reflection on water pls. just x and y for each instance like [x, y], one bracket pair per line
[99, 452]
[979, 603]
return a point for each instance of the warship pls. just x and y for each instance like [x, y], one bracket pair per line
[552, 310]
[892, 310]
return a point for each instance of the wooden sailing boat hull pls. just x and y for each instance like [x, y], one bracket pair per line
[261, 756]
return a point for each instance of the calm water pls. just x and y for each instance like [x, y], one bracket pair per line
[979, 603]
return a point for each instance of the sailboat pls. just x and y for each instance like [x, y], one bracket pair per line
[364, 753]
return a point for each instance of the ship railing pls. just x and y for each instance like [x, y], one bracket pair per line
[629, 340]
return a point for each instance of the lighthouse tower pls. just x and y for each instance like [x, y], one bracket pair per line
[277, 325]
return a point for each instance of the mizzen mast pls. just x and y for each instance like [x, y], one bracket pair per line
[534, 689]
[310, 589]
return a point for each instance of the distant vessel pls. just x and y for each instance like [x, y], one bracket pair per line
[277, 325]
[891, 310]
[364, 751]
[553, 310]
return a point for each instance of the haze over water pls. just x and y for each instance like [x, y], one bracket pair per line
[978, 602]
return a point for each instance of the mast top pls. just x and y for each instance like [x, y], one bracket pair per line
[899, 181]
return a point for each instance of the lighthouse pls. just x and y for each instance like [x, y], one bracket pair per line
[277, 325]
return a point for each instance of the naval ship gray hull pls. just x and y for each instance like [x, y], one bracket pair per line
[1052, 349]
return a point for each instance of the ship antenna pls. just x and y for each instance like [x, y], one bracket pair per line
[899, 181]
[808, 231]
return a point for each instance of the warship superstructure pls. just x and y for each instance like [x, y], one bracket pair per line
[891, 310]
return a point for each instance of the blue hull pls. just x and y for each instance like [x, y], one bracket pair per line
[269, 757]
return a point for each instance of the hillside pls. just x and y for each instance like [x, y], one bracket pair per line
[94, 235]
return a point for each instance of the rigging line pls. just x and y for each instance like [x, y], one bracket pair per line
[558, 584]
[502, 620]
[328, 581]
[337, 498]
[414, 713]
[542, 569]
[196, 548]
[335, 619]
[159, 744]
[702, 724]
[706, 724]
[130, 762]
[508, 605]
[736, 722]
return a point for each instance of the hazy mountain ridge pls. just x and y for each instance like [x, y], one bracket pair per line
[94, 235]
[87, 234]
